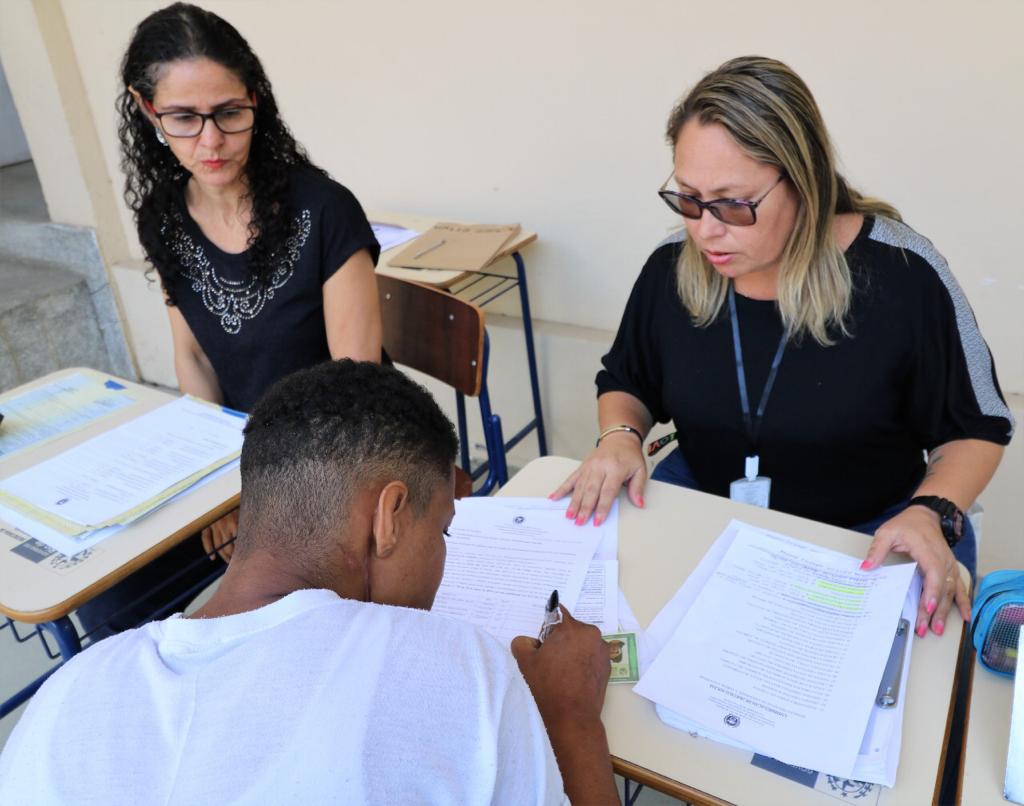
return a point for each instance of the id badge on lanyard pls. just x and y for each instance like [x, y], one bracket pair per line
[752, 488]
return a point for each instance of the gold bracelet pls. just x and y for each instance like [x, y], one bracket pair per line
[615, 428]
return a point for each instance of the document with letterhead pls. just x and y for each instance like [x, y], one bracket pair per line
[774, 643]
[506, 555]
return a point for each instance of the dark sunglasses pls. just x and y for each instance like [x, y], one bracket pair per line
[735, 212]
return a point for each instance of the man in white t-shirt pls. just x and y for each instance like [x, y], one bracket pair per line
[315, 673]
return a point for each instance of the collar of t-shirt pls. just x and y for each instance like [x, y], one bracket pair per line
[189, 642]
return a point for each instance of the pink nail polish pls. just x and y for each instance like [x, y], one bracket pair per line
[570, 514]
[939, 628]
[580, 521]
[641, 501]
[866, 565]
[597, 521]
[930, 608]
[921, 631]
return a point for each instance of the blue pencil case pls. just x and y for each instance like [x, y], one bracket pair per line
[998, 615]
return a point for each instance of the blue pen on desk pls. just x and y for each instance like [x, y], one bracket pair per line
[552, 616]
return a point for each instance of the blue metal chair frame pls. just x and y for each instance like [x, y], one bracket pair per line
[497, 285]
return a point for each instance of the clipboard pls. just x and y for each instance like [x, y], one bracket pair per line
[456, 247]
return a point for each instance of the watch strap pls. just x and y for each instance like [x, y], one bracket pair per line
[951, 518]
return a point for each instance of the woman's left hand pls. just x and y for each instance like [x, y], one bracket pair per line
[916, 531]
[219, 533]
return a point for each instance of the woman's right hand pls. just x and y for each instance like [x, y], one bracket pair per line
[618, 460]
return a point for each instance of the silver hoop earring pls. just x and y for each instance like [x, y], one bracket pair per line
[160, 137]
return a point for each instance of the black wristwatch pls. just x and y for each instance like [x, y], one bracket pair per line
[951, 519]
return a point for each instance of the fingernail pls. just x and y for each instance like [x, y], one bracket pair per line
[597, 520]
[930, 608]
[570, 514]
[921, 630]
[551, 497]
[641, 499]
[580, 521]
[866, 565]
[939, 627]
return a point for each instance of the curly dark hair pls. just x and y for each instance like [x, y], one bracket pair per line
[155, 180]
[321, 434]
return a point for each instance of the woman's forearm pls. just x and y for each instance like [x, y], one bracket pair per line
[960, 470]
[621, 408]
[196, 377]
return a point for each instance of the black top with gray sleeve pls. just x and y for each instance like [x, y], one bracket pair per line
[846, 426]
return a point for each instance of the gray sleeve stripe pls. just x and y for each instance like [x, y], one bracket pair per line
[676, 237]
[979, 360]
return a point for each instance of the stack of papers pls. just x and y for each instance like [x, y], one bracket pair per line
[778, 646]
[506, 555]
[90, 491]
[456, 247]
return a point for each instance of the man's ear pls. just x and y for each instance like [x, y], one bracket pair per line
[388, 518]
[140, 102]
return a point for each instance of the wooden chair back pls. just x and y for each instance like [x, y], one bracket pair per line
[433, 332]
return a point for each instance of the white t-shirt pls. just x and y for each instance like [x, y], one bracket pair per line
[311, 699]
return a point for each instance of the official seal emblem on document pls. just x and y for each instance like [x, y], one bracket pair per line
[731, 720]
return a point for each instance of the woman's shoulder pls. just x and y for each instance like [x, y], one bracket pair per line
[896, 253]
[311, 187]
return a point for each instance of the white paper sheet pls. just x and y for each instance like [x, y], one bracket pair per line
[781, 647]
[1013, 784]
[391, 235]
[599, 600]
[105, 477]
[505, 556]
[57, 408]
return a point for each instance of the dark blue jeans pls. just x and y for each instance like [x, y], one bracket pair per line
[674, 469]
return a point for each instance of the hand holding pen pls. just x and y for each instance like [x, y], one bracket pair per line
[552, 616]
[567, 671]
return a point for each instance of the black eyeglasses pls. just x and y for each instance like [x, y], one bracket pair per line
[735, 212]
[230, 120]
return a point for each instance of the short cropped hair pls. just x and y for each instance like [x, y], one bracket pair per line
[323, 433]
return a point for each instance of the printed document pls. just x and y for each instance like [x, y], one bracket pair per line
[127, 471]
[506, 555]
[781, 645]
[58, 408]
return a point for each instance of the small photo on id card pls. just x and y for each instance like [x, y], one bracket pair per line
[623, 658]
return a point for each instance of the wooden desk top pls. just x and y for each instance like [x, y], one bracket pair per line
[658, 547]
[434, 277]
[988, 738]
[37, 584]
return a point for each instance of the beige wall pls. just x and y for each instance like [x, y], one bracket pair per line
[552, 114]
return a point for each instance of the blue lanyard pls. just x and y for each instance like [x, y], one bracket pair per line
[753, 426]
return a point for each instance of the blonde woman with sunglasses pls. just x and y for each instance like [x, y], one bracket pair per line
[814, 353]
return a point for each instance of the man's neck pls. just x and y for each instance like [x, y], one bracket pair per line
[254, 581]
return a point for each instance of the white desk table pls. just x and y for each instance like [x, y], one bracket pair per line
[987, 738]
[658, 547]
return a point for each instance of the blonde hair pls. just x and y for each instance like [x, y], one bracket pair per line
[773, 117]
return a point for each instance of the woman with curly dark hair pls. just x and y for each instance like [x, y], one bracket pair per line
[267, 265]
